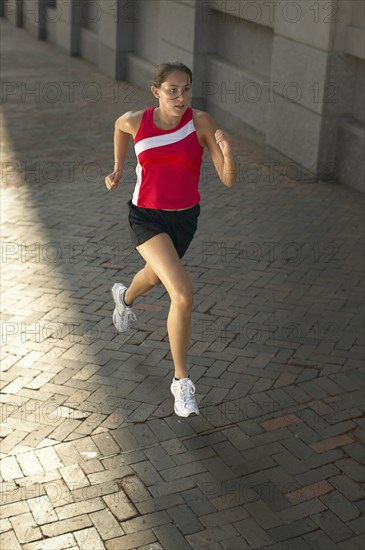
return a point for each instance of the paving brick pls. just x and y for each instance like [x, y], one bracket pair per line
[319, 539]
[308, 492]
[329, 457]
[59, 493]
[89, 538]
[147, 521]
[300, 449]
[332, 443]
[10, 469]
[352, 491]
[110, 474]
[225, 517]
[356, 451]
[340, 506]
[290, 463]
[191, 456]
[154, 546]
[332, 526]
[10, 541]
[147, 473]
[159, 503]
[29, 463]
[168, 533]
[74, 476]
[206, 538]
[106, 444]
[120, 506]
[351, 468]
[5, 525]
[170, 487]
[295, 528]
[253, 533]
[78, 508]
[302, 510]
[183, 471]
[10, 441]
[228, 453]
[132, 541]
[161, 430]
[280, 422]
[357, 525]
[263, 515]
[53, 543]
[106, 524]
[25, 528]
[238, 438]
[174, 446]
[13, 509]
[317, 474]
[66, 526]
[219, 470]
[49, 458]
[185, 519]
[297, 542]
[92, 466]
[197, 502]
[42, 510]
[355, 543]
[159, 458]
[68, 454]
[125, 439]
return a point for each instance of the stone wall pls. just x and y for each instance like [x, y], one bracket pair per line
[289, 73]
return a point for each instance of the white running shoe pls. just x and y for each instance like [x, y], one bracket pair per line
[122, 314]
[183, 390]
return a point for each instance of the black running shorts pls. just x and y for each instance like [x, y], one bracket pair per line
[180, 225]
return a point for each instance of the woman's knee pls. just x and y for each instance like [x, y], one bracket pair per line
[182, 296]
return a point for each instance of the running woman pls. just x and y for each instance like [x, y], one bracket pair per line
[163, 213]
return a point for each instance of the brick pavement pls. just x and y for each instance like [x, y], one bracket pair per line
[92, 456]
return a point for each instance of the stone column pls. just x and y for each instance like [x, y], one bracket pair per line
[62, 24]
[126, 18]
[311, 81]
[12, 10]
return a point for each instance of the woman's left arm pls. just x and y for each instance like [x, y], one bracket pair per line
[220, 148]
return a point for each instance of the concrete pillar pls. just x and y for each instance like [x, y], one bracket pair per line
[62, 25]
[12, 10]
[34, 17]
[122, 37]
[312, 80]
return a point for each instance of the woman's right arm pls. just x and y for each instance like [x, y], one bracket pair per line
[124, 126]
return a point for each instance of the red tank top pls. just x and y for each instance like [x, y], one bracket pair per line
[169, 163]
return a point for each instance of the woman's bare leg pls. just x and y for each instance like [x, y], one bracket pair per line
[142, 283]
[161, 256]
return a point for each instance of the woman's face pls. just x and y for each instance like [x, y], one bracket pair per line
[174, 94]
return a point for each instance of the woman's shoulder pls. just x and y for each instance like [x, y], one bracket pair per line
[203, 119]
[130, 121]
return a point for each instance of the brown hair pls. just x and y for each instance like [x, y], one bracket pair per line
[162, 71]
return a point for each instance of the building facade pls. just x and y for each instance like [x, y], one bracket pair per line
[289, 73]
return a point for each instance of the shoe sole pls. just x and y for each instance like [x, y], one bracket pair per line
[186, 415]
[115, 295]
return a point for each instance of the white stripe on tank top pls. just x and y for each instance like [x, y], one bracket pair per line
[166, 139]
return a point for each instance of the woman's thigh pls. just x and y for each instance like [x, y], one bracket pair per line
[162, 258]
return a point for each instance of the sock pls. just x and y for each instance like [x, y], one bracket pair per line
[124, 302]
[179, 378]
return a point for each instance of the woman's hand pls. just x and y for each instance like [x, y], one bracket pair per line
[224, 143]
[112, 181]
